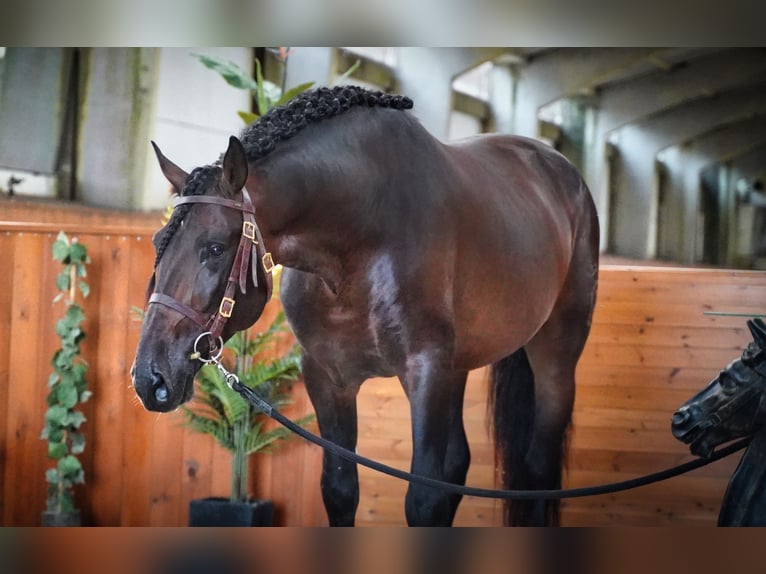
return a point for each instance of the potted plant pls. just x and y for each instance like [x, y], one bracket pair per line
[237, 426]
[68, 389]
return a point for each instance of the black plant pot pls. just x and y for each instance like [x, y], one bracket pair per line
[61, 518]
[222, 512]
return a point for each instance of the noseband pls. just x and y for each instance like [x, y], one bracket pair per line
[250, 246]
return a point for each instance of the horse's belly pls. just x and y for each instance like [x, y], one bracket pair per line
[489, 326]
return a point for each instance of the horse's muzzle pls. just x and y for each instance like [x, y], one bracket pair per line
[682, 424]
[155, 392]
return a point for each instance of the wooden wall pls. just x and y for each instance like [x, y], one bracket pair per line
[650, 349]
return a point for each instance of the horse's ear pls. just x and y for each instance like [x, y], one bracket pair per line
[174, 174]
[758, 330]
[235, 165]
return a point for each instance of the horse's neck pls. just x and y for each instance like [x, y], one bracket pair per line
[309, 211]
[744, 503]
[343, 191]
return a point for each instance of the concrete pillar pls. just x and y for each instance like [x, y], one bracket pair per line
[627, 102]
[564, 72]
[306, 64]
[114, 126]
[633, 212]
[748, 238]
[426, 74]
[194, 111]
[684, 163]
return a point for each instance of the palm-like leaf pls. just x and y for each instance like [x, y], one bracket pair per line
[232, 421]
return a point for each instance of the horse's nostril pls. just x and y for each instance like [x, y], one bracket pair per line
[160, 389]
[680, 417]
[161, 393]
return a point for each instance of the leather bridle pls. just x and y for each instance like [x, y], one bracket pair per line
[250, 247]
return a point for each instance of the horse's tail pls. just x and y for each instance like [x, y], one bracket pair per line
[511, 406]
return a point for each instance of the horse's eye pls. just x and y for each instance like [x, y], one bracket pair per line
[216, 249]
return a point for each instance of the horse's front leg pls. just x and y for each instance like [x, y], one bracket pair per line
[440, 447]
[335, 405]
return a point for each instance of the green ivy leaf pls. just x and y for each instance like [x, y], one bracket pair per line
[77, 442]
[55, 434]
[69, 466]
[63, 358]
[67, 395]
[62, 281]
[57, 450]
[75, 419]
[52, 476]
[61, 247]
[77, 253]
[62, 327]
[75, 314]
[84, 288]
[79, 369]
[56, 415]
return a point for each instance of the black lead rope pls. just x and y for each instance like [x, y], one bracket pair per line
[251, 397]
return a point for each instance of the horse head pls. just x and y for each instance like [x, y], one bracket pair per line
[207, 283]
[733, 405]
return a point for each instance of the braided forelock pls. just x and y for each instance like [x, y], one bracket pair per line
[281, 123]
[199, 180]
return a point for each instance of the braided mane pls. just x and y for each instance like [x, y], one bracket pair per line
[279, 124]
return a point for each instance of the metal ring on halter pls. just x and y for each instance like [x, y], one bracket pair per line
[198, 355]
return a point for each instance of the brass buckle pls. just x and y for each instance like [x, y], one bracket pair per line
[268, 262]
[248, 230]
[226, 307]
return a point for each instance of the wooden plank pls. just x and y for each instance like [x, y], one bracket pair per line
[658, 356]
[7, 241]
[108, 375]
[662, 292]
[196, 474]
[166, 468]
[50, 216]
[137, 439]
[220, 480]
[26, 453]
[632, 398]
[687, 377]
[289, 476]
[691, 313]
[733, 339]
[583, 456]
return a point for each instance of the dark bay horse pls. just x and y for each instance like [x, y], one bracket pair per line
[403, 256]
[731, 406]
